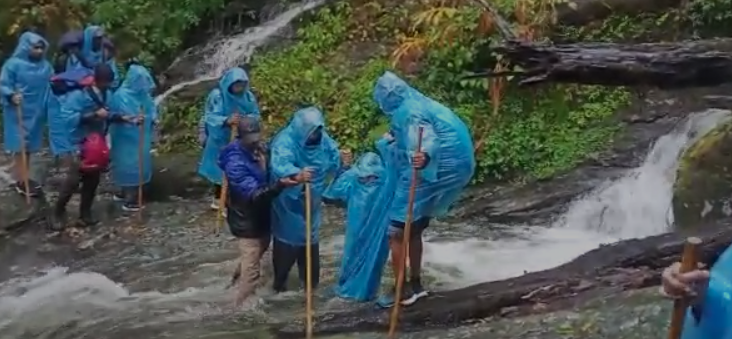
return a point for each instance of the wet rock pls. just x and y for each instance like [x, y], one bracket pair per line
[652, 114]
[600, 273]
[703, 188]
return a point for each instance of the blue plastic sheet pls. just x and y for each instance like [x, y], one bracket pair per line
[220, 105]
[31, 79]
[290, 154]
[715, 311]
[445, 139]
[133, 98]
[367, 188]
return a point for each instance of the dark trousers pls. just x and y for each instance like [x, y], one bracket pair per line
[89, 182]
[284, 256]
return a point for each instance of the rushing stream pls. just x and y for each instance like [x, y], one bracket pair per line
[173, 283]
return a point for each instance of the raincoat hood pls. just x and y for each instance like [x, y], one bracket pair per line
[25, 44]
[390, 92]
[369, 164]
[304, 122]
[139, 82]
[229, 78]
[87, 46]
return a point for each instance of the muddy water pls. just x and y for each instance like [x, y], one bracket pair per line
[170, 281]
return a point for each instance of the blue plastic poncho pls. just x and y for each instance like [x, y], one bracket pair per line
[220, 105]
[95, 57]
[715, 310]
[446, 140]
[59, 135]
[31, 79]
[132, 99]
[367, 188]
[79, 108]
[289, 155]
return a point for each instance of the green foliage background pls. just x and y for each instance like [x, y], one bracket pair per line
[340, 52]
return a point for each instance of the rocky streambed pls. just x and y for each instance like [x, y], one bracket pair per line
[168, 275]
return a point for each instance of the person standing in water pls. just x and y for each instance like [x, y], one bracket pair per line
[445, 162]
[304, 151]
[225, 105]
[25, 87]
[249, 207]
[133, 102]
[88, 115]
[367, 189]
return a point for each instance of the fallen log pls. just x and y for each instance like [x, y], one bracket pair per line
[609, 269]
[662, 65]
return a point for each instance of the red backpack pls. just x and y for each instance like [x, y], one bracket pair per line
[94, 153]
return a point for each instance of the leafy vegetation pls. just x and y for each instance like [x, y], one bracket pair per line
[432, 43]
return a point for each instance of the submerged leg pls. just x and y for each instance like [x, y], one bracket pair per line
[314, 265]
[249, 267]
[416, 251]
[396, 239]
[68, 187]
[284, 257]
[89, 184]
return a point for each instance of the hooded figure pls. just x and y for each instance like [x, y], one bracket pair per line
[88, 113]
[24, 88]
[225, 103]
[302, 148]
[69, 52]
[367, 188]
[133, 99]
[96, 48]
[58, 129]
[446, 162]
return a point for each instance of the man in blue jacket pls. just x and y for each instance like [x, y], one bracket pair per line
[248, 209]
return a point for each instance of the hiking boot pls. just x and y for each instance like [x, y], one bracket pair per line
[418, 290]
[58, 221]
[388, 300]
[118, 197]
[34, 188]
[215, 205]
[131, 207]
[86, 220]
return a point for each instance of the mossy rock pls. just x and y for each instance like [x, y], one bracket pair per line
[703, 188]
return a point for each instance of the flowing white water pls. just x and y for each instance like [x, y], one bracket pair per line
[635, 205]
[237, 49]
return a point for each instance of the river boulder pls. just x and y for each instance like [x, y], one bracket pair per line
[703, 188]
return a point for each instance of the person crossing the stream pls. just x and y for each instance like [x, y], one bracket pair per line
[367, 189]
[225, 105]
[249, 207]
[132, 100]
[88, 114]
[445, 165]
[305, 151]
[25, 87]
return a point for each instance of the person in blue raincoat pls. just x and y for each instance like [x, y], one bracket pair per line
[24, 88]
[59, 136]
[367, 188]
[89, 115]
[710, 295]
[231, 99]
[133, 99]
[446, 164]
[302, 150]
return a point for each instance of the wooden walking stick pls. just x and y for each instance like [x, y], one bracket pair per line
[23, 155]
[224, 188]
[308, 264]
[405, 245]
[140, 158]
[688, 263]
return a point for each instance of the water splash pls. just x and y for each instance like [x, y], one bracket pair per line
[237, 49]
[636, 205]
